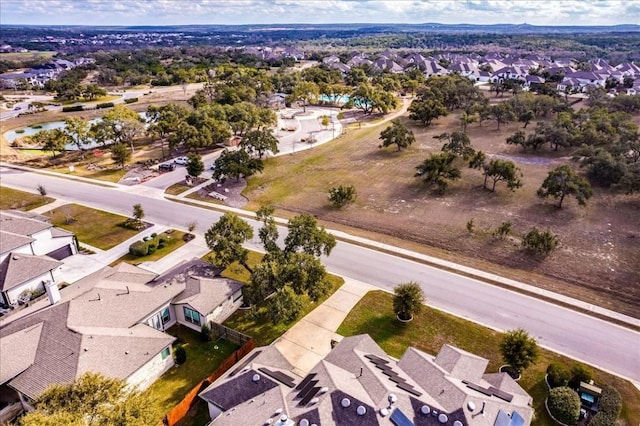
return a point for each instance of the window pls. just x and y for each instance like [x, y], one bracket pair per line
[191, 316]
[165, 353]
[166, 315]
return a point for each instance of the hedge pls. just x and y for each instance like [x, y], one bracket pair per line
[558, 374]
[611, 401]
[564, 405]
[72, 108]
[104, 105]
[138, 249]
[130, 100]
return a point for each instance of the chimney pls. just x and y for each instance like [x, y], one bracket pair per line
[53, 293]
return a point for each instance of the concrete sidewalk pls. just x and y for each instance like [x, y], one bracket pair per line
[309, 340]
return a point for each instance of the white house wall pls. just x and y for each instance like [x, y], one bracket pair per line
[151, 371]
[26, 249]
[33, 284]
[180, 317]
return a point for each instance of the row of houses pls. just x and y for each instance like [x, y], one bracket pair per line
[112, 321]
[38, 76]
[566, 72]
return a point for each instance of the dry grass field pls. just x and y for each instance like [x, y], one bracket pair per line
[600, 243]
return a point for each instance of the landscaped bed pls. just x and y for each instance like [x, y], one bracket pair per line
[173, 241]
[203, 358]
[96, 228]
[430, 329]
[20, 200]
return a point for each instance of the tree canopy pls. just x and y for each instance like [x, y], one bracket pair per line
[397, 134]
[563, 181]
[518, 349]
[225, 239]
[437, 169]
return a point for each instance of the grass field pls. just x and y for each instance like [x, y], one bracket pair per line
[430, 329]
[598, 243]
[94, 227]
[20, 200]
[22, 56]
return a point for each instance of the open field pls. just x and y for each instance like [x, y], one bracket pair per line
[23, 56]
[431, 328]
[20, 200]
[600, 244]
[94, 227]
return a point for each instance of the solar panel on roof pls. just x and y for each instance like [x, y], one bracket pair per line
[390, 373]
[400, 419]
[397, 379]
[306, 380]
[279, 376]
[309, 396]
[244, 363]
[303, 392]
[407, 387]
[376, 359]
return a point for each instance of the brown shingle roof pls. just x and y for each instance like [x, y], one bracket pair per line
[10, 222]
[10, 241]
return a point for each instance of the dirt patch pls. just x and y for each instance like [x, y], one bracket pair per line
[600, 244]
[228, 192]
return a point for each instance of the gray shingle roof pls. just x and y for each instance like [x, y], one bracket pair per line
[18, 268]
[205, 294]
[19, 351]
[10, 222]
[10, 241]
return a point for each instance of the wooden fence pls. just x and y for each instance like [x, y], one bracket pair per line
[229, 334]
[179, 411]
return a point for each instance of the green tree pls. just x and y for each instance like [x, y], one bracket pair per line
[408, 299]
[225, 239]
[342, 195]
[502, 113]
[610, 401]
[526, 117]
[467, 118]
[306, 236]
[195, 166]
[305, 91]
[518, 349]
[539, 243]
[236, 164]
[562, 181]
[397, 134]
[518, 138]
[138, 212]
[502, 170]
[180, 354]
[91, 400]
[558, 374]
[284, 306]
[425, 111]
[124, 125]
[260, 142]
[437, 169]
[120, 154]
[503, 230]
[564, 405]
[457, 143]
[52, 140]
[370, 98]
[77, 131]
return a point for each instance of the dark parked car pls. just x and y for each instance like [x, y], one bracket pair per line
[166, 167]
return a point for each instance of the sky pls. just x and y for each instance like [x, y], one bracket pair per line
[184, 12]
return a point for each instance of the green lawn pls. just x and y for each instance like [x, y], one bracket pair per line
[175, 241]
[203, 358]
[94, 227]
[430, 329]
[177, 188]
[20, 200]
[108, 174]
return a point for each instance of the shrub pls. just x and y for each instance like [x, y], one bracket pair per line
[162, 241]
[152, 246]
[138, 249]
[153, 235]
[72, 108]
[539, 243]
[611, 401]
[342, 195]
[205, 333]
[564, 405]
[134, 224]
[19, 131]
[130, 100]
[37, 126]
[602, 418]
[470, 226]
[580, 373]
[104, 105]
[407, 300]
[180, 354]
[503, 230]
[558, 374]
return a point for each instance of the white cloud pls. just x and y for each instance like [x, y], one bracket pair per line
[166, 12]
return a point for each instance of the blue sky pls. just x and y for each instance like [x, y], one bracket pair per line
[168, 12]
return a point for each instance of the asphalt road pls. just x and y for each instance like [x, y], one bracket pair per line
[588, 339]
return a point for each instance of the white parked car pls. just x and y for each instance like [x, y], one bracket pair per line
[181, 161]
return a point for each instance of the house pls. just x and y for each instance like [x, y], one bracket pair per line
[111, 322]
[31, 250]
[357, 383]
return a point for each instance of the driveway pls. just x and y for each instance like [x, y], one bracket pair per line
[309, 340]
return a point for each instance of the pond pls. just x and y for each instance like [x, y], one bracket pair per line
[12, 135]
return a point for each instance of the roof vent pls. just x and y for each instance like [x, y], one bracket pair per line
[384, 412]
[304, 422]
[392, 398]
[126, 352]
[324, 390]
[283, 418]
[425, 409]
[86, 349]
[345, 402]
[314, 401]
[442, 418]
[256, 378]
[361, 410]
[471, 405]
[269, 421]
[279, 411]
[457, 423]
